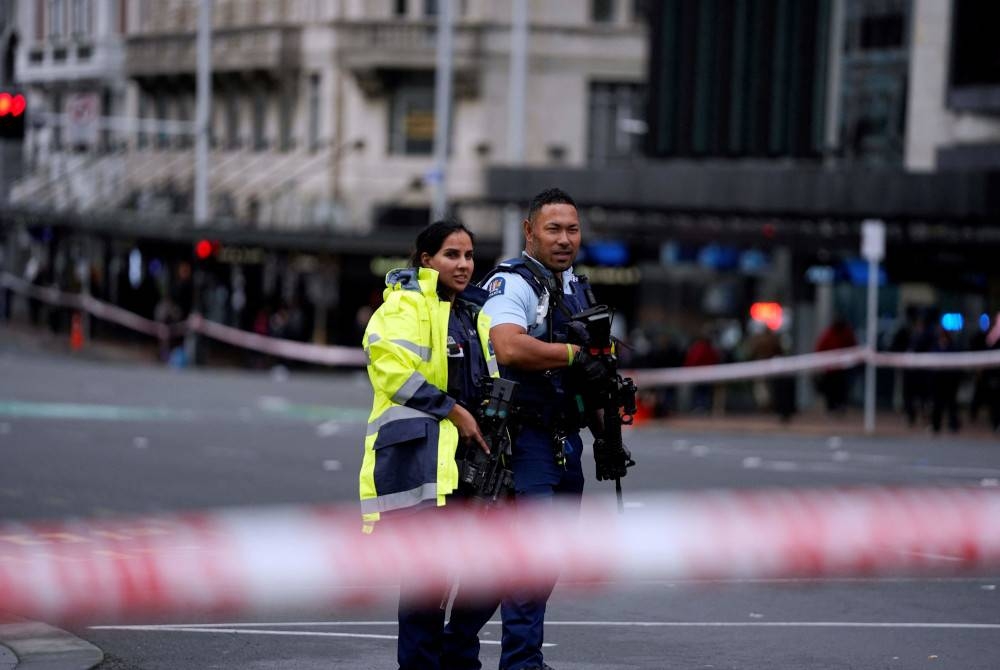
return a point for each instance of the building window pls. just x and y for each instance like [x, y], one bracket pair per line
[873, 80]
[160, 105]
[259, 120]
[57, 131]
[411, 116]
[232, 120]
[81, 18]
[975, 60]
[142, 140]
[314, 107]
[57, 19]
[616, 125]
[39, 20]
[286, 116]
[430, 7]
[738, 79]
[400, 8]
[602, 11]
[639, 11]
[185, 112]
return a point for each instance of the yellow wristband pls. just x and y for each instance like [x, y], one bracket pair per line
[569, 354]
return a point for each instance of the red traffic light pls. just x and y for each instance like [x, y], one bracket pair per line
[12, 104]
[768, 313]
[204, 249]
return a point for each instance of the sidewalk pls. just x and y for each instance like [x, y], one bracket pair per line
[20, 337]
[32, 645]
[817, 422]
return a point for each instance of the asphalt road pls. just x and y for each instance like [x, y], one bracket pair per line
[82, 438]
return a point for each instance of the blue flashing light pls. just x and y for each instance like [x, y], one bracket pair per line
[856, 270]
[607, 252]
[952, 321]
[984, 322]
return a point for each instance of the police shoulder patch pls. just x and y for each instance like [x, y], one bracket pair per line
[496, 286]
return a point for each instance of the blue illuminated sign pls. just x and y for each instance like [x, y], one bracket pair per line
[952, 321]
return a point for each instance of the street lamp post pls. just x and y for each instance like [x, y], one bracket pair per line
[442, 110]
[203, 112]
[873, 250]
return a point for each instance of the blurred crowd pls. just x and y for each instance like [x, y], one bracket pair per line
[933, 399]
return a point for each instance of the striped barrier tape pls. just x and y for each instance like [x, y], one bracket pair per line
[727, 372]
[310, 353]
[645, 378]
[213, 565]
[300, 351]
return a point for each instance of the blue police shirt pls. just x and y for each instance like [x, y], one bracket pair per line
[512, 300]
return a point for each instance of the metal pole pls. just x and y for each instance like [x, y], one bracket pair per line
[871, 336]
[833, 88]
[515, 116]
[442, 110]
[203, 112]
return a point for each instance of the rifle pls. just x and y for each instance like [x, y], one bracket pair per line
[609, 401]
[487, 476]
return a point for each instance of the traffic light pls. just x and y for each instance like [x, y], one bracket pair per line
[12, 107]
[205, 249]
[768, 313]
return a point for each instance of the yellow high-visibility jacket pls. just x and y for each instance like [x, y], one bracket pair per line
[409, 445]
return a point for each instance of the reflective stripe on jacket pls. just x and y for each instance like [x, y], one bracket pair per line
[409, 444]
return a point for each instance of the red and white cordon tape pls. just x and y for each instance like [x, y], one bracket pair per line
[646, 378]
[221, 564]
[310, 353]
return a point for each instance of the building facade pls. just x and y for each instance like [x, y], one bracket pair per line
[321, 136]
[322, 111]
[773, 128]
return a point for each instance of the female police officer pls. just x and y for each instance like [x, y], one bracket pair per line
[427, 346]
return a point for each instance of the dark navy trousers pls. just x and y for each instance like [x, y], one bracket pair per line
[538, 479]
[424, 641]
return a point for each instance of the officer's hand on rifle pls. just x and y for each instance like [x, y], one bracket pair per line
[593, 368]
[467, 427]
[611, 463]
[576, 333]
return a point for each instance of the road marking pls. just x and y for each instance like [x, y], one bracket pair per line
[779, 624]
[328, 428]
[248, 629]
[252, 628]
[325, 413]
[67, 410]
[243, 631]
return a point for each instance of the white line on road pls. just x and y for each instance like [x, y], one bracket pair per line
[250, 628]
[243, 630]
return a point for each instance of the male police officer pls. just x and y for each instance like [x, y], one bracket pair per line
[530, 301]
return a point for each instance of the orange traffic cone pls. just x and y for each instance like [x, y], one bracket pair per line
[76, 332]
[643, 412]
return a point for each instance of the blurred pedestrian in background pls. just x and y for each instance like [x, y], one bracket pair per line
[944, 385]
[834, 383]
[427, 347]
[701, 351]
[910, 337]
[992, 376]
[765, 343]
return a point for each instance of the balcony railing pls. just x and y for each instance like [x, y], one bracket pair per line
[237, 49]
[371, 48]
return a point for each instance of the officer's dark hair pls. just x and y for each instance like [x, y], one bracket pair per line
[430, 239]
[550, 196]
